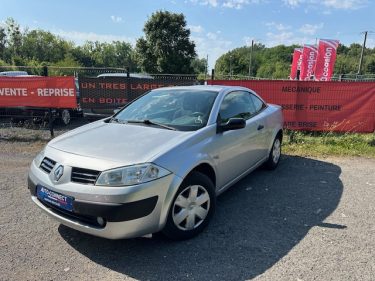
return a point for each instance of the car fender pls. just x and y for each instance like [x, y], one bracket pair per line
[181, 160]
[277, 119]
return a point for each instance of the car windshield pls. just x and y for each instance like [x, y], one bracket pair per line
[183, 110]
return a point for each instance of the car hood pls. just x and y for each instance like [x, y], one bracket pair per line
[124, 143]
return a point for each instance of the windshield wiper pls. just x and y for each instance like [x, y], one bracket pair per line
[149, 122]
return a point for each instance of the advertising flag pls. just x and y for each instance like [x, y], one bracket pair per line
[296, 63]
[325, 61]
[309, 55]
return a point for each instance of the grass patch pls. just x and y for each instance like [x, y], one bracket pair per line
[329, 144]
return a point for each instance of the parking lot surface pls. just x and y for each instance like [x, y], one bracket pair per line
[310, 219]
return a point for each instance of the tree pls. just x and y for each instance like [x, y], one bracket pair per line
[44, 46]
[14, 36]
[237, 61]
[2, 42]
[166, 47]
[115, 54]
[370, 67]
[199, 65]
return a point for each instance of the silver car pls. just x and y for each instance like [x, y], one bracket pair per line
[158, 164]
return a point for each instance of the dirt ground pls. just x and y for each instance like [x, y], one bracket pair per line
[310, 219]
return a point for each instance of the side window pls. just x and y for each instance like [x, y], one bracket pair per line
[236, 105]
[258, 104]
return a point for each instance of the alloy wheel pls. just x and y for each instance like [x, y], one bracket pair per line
[276, 151]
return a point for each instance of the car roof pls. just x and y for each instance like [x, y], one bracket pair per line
[121, 74]
[13, 73]
[27, 75]
[216, 88]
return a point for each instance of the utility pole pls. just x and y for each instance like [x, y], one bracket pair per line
[361, 58]
[250, 57]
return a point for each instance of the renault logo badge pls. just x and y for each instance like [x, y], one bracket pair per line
[58, 172]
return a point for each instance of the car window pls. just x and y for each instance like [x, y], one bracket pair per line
[185, 110]
[258, 104]
[236, 104]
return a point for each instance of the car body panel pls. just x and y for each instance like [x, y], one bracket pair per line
[123, 143]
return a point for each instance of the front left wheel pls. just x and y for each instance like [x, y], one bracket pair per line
[192, 207]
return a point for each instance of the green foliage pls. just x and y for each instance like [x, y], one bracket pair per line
[236, 62]
[329, 143]
[2, 41]
[37, 47]
[370, 64]
[3, 63]
[199, 66]
[14, 40]
[44, 46]
[166, 47]
[115, 54]
[275, 62]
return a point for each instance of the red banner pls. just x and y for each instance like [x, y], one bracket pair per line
[325, 61]
[49, 92]
[296, 63]
[317, 106]
[309, 54]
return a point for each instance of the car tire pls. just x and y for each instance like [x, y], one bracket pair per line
[65, 117]
[192, 207]
[275, 154]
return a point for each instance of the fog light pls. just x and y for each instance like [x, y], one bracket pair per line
[100, 221]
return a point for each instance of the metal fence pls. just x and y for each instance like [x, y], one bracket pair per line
[354, 77]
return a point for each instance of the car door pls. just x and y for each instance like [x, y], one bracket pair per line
[237, 150]
[264, 132]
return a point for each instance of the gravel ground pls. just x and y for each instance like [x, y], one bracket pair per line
[310, 219]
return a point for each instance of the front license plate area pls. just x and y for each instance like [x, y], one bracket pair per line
[54, 198]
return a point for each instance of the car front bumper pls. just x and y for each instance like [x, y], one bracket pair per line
[124, 212]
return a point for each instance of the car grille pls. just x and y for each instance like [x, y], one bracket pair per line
[84, 176]
[47, 165]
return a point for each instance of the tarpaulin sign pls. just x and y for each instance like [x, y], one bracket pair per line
[46, 92]
[318, 106]
[114, 92]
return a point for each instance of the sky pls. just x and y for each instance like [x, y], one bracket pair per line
[217, 26]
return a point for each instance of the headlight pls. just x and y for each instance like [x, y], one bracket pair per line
[131, 175]
[38, 159]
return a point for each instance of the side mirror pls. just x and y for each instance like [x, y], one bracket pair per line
[232, 124]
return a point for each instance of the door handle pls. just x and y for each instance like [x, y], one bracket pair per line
[260, 127]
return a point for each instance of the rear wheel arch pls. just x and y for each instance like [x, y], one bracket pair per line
[280, 135]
